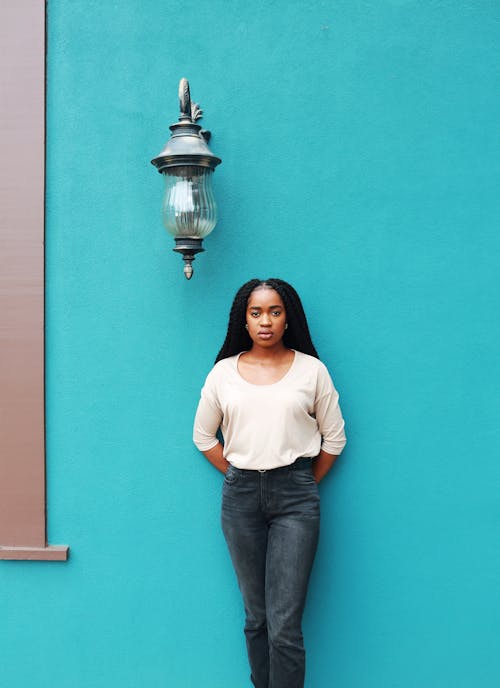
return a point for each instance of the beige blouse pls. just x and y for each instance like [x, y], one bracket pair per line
[267, 426]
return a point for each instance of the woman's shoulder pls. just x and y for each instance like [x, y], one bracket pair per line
[312, 365]
[222, 367]
[310, 361]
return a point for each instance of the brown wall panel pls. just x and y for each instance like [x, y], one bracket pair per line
[22, 182]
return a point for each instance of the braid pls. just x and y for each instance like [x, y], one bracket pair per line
[297, 334]
[237, 338]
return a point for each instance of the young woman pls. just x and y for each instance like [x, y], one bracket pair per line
[278, 411]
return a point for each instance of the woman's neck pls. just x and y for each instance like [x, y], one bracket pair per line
[268, 355]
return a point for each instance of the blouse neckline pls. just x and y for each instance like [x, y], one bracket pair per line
[271, 384]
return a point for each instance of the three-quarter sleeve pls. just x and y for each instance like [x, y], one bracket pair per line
[208, 418]
[328, 415]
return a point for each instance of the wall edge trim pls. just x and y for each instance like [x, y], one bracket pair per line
[49, 553]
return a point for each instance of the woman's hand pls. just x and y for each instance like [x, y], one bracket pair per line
[322, 464]
[216, 458]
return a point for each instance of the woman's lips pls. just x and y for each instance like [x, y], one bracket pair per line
[265, 335]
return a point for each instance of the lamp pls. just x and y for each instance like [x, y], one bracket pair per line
[189, 210]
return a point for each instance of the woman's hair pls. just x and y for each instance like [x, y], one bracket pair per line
[296, 336]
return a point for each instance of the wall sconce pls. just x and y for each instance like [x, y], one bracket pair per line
[189, 210]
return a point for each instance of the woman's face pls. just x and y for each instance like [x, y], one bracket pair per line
[266, 317]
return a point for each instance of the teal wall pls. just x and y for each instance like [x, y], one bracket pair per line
[361, 163]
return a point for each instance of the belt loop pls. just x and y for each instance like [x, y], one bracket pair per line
[262, 470]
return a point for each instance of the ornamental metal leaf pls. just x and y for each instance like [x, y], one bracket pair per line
[196, 112]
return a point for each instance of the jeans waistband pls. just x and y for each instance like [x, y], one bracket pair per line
[302, 462]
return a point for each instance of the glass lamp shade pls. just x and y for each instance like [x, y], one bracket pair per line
[189, 209]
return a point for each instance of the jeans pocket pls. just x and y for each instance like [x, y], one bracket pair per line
[231, 475]
[303, 476]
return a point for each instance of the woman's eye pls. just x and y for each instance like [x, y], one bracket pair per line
[255, 314]
[276, 314]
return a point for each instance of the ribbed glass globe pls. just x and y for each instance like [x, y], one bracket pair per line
[189, 208]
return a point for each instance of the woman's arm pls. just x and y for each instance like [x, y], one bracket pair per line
[206, 423]
[216, 457]
[322, 464]
[330, 425]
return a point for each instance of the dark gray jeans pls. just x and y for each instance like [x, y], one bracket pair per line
[270, 521]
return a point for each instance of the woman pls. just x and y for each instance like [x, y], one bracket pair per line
[278, 412]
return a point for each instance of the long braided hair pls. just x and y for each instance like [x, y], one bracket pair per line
[297, 334]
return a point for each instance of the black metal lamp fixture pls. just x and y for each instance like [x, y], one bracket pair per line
[189, 210]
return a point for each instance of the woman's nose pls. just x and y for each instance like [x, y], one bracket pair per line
[265, 320]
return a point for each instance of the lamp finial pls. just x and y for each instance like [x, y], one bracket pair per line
[184, 99]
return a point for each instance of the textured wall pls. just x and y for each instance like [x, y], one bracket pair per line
[360, 162]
